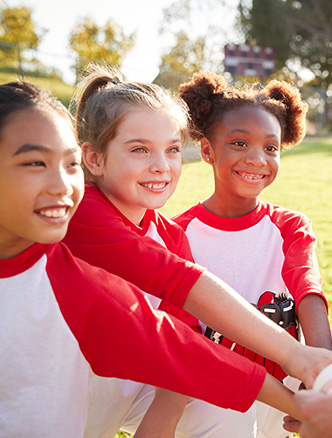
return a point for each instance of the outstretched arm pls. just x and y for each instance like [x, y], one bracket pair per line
[163, 415]
[277, 395]
[215, 303]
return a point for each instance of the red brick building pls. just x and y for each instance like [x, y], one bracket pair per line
[245, 60]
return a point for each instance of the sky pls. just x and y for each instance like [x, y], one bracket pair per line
[60, 16]
[144, 17]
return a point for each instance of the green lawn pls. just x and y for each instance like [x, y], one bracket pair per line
[304, 184]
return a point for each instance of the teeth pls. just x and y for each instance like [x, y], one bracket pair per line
[54, 213]
[252, 177]
[155, 185]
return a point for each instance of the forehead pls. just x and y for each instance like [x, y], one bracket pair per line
[250, 113]
[145, 119]
[249, 120]
[44, 127]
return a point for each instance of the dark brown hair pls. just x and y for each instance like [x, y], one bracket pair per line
[209, 98]
[18, 96]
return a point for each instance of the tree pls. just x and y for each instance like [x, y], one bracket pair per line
[301, 33]
[93, 43]
[299, 30]
[185, 58]
[199, 44]
[18, 33]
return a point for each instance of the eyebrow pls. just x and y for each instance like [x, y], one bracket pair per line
[145, 140]
[39, 148]
[244, 131]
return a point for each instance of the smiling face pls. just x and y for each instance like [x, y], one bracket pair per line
[40, 177]
[142, 163]
[244, 151]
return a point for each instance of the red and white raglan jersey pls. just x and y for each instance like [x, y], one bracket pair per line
[156, 257]
[270, 249]
[60, 318]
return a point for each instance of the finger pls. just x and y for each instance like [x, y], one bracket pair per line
[291, 424]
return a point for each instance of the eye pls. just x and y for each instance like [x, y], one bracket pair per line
[174, 150]
[35, 164]
[139, 150]
[74, 164]
[272, 148]
[240, 144]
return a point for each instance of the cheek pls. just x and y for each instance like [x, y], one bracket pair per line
[79, 186]
[177, 174]
[176, 169]
[26, 189]
[276, 167]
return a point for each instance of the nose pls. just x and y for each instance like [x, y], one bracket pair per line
[256, 157]
[60, 183]
[159, 164]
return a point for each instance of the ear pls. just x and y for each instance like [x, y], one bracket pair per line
[206, 150]
[94, 161]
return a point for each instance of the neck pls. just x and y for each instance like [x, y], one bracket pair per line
[13, 249]
[223, 208]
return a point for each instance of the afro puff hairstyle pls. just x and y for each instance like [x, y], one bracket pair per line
[209, 98]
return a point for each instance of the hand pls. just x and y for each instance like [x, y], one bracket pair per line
[307, 362]
[291, 424]
[316, 409]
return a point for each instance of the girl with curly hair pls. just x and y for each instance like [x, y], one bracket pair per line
[264, 251]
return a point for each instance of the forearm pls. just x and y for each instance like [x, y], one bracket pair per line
[163, 415]
[224, 310]
[314, 322]
[275, 394]
[221, 308]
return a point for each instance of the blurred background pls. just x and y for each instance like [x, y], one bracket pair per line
[167, 41]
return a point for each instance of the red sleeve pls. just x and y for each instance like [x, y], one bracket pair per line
[99, 235]
[183, 219]
[174, 237]
[182, 315]
[300, 269]
[122, 336]
[176, 241]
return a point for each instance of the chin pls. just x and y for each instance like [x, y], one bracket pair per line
[157, 206]
[52, 238]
